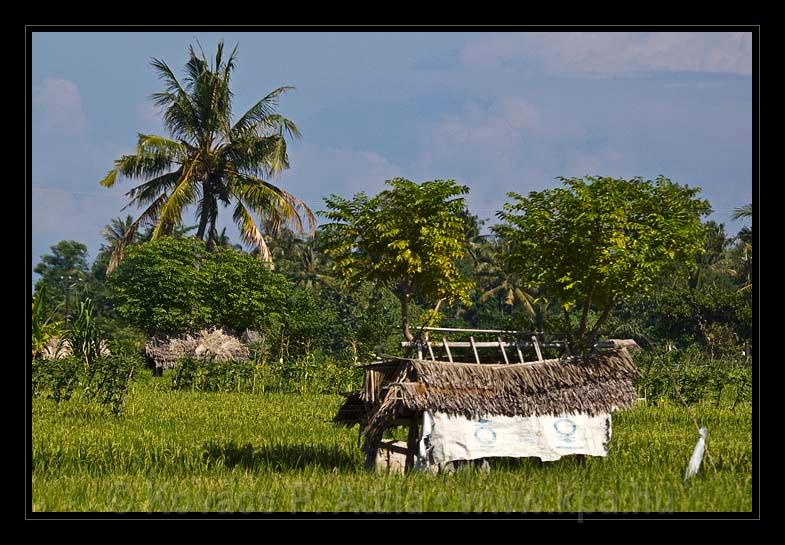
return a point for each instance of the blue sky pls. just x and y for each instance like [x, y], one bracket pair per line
[498, 112]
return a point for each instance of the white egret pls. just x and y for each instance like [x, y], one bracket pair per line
[697, 454]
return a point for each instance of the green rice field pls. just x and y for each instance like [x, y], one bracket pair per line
[180, 451]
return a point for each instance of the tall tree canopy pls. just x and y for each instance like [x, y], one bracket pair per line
[62, 272]
[210, 160]
[601, 240]
[408, 238]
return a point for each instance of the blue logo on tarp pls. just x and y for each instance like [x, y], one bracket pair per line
[484, 434]
[566, 428]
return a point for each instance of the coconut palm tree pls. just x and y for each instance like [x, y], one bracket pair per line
[743, 253]
[309, 273]
[224, 241]
[209, 159]
[117, 230]
[178, 232]
[510, 288]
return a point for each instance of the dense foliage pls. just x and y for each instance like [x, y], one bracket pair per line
[173, 286]
[601, 241]
[408, 238]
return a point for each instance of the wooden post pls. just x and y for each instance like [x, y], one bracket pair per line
[370, 457]
[474, 348]
[504, 352]
[419, 350]
[447, 348]
[520, 354]
[412, 443]
[430, 348]
[537, 348]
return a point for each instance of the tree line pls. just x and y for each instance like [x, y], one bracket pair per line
[595, 256]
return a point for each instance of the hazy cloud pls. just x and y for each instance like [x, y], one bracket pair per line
[59, 106]
[319, 171]
[612, 53]
[493, 133]
[485, 147]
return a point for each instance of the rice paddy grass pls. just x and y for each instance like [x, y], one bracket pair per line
[181, 451]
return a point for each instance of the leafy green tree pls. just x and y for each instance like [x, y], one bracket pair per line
[157, 287]
[408, 238]
[365, 320]
[170, 286]
[65, 275]
[682, 316]
[211, 160]
[236, 292]
[600, 241]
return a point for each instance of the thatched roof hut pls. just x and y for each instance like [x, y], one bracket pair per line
[167, 351]
[56, 349]
[401, 388]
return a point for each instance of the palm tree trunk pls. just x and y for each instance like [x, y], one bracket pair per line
[213, 232]
[205, 213]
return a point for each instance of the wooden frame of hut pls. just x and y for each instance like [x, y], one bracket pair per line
[397, 391]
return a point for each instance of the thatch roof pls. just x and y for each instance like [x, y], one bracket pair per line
[55, 349]
[594, 384]
[590, 385]
[166, 352]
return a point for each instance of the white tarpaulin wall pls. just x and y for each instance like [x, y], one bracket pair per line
[448, 438]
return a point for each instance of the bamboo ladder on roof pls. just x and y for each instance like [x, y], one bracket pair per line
[474, 344]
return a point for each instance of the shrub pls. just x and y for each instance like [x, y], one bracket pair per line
[171, 287]
[686, 376]
[103, 381]
[310, 373]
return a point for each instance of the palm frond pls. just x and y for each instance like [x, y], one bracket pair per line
[146, 164]
[148, 191]
[160, 145]
[526, 300]
[111, 177]
[260, 112]
[182, 195]
[742, 212]
[273, 203]
[491, 293]
[149, 215]
[249, 231]
[281, 124]
[179, 116]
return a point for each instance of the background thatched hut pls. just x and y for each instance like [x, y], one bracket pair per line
[56, 349]
[164, 353]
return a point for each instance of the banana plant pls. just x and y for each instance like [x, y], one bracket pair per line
[44, 325]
